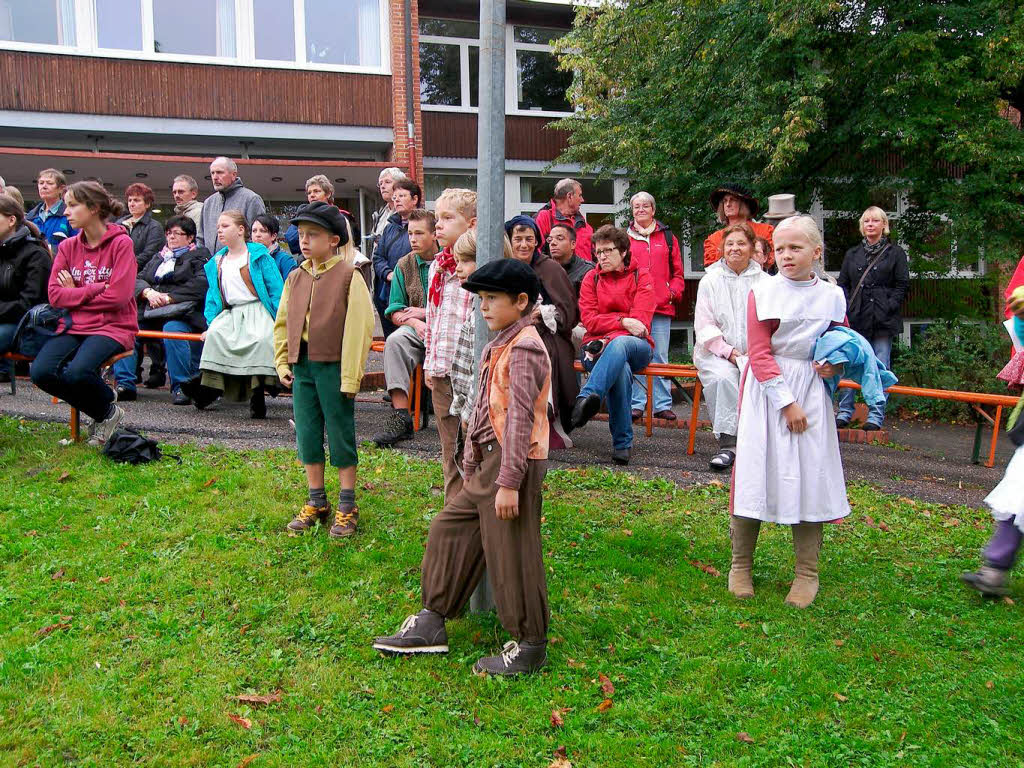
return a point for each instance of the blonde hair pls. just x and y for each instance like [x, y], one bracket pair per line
[462, 200]
[465, 247]
[238, 219]
[15, 193]
[348, 250]
[320, 181]
[806, 226]
[874, 209]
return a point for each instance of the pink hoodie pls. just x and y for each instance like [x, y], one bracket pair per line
[102, 301]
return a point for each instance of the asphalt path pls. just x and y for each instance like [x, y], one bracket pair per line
[927, 462]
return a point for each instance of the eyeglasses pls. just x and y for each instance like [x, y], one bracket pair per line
[606, 251]
[176, 233]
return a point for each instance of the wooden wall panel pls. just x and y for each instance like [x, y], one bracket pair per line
[454, 134]
[76, 84]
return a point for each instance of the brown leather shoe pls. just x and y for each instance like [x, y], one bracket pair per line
[667, 415]
[345, 523]
[307, 519]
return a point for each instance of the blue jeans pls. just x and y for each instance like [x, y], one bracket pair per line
[182, 358]
[876, 413]
[661, 330]
[68, 367]
[611, 378]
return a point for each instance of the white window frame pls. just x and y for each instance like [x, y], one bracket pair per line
[245, 44]
[515, 205]
[512, 48]
[464, 44]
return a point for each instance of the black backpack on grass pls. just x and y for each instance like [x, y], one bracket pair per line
[126, 446]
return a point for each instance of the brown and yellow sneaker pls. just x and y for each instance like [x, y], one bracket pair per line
[345, 523]
[307, 519]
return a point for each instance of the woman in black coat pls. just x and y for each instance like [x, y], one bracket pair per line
[171, 292]
[874, 277]
[24, 271]
[146, 233]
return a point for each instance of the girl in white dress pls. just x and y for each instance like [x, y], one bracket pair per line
[788, 469]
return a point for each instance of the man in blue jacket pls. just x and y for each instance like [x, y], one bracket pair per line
[393, 245]
[48, 214]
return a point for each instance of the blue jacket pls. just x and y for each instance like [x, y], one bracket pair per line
[291, 236]
[846, 346]
[285, 262]
[266, 279]
[392, 246]
[56, 227]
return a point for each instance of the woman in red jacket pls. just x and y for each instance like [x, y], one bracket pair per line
[93, 277]
[616, 306]
[653, 246]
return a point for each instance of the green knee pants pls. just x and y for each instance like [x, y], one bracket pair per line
[317, 401]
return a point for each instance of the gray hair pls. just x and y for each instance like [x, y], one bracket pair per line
[320, 181]
[643, 197]
[395, 174]
[227, 162]
[192, 184]
[565, 187]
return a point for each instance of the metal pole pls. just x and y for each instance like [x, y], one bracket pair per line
[490, 201]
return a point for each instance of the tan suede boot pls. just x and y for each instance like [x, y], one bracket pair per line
[743, 532]
[806, 547]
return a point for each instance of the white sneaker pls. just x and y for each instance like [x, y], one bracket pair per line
[102, 430]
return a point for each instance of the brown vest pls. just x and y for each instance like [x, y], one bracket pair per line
[413, 282]
[498, 395]
[327, 306]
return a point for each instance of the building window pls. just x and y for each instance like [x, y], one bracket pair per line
[273, 33]
[449, 63]
[598, 197]
[42, 22]
[194, 27]
[352, 40]
[436, 183]
[540, 86]
[119, 24]
[273, 25]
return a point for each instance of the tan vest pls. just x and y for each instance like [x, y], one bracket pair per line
[327, 306]
[499, 384]
[413, 282]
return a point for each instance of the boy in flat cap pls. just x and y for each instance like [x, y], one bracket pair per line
[321, 339]
[494, 521]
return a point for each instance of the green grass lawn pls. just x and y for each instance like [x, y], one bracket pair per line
[138, 603]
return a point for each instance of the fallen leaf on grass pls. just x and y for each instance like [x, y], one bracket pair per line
[387, 708]
[883, 527]
[103, 579]
[557, 721]
[604, 706]
[627, 532]
[839, 643]
[840, 697]
[1008, 600]
[606, 685]
[64, 477]
[182, 720]
[951, 523]
[561, 759]
[61, 625]
[207, 484]
[744, 737]
[33, 532]
[706, 567]
[576, 664]
[244, 722]
[246, 761]
[57, 575]
[990, 685]
[259, 701]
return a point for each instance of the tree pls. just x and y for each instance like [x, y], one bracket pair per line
[846, 98]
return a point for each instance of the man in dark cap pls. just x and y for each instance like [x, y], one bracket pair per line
[321, 340]
[494, 521]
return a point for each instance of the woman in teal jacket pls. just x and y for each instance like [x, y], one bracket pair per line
[244, 289]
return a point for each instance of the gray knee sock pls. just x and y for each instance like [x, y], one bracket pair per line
[317, 497]
[346, 500]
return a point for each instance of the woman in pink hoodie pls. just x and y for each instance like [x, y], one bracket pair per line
[93, 277]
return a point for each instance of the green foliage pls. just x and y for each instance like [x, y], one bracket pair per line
[952, 354]
[138, 603]
[853, 99]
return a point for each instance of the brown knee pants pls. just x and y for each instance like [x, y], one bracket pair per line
[448, 430]
[467, 536]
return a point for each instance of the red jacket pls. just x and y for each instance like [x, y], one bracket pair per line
[548, 216]
[666, 267]
[607, 297]
[102, 300]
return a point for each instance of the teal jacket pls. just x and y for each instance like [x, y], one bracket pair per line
[266, 279]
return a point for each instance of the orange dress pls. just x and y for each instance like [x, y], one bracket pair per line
[713, 244]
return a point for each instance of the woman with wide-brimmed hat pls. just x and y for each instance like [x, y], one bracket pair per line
[735, 204]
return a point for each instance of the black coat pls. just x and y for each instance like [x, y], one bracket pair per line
[875, 310]
[186, 282]
[147, 238]
[24, 272]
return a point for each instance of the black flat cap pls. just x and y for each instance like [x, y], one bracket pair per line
[324, 215]
[505, 276]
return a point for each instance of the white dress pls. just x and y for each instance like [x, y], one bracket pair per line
[721, 314]
[782, 477]
[1007, 499]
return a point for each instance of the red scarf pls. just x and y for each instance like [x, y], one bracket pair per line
[445, 261]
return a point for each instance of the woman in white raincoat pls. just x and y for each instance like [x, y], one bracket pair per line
[720, 325]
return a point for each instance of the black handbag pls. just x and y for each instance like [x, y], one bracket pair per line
[45, 320]
[127, 446]
[169, 311]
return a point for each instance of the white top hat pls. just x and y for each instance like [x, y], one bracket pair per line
[781, 207]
